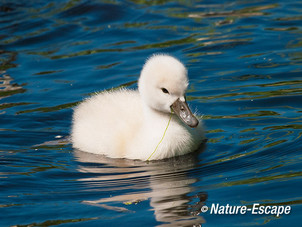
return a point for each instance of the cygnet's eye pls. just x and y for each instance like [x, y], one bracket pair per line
[165, 90]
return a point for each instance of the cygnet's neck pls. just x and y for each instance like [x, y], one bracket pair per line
[154, 118]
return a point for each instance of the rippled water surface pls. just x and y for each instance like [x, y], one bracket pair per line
[245, 62]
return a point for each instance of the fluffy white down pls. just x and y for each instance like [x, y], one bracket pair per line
[129, 123]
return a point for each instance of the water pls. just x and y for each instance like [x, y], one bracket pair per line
[245, 62]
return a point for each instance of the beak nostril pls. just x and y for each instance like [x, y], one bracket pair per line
[182, 110]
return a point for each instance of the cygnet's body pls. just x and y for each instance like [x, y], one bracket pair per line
[133, 124]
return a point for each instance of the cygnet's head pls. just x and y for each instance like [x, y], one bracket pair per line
[163, 83]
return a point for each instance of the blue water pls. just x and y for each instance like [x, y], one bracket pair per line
[245, 69]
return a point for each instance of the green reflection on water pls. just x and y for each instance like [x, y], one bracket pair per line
[256, 180]
[271, 203]
[270, 168]
[215, 130]
[108, 66]
[58, 222]
[255, 94]
[248, 141]
[11, 92]
[49, 109]
[248, 130]
[260, 113]
[9, 105]
[275, 143]
[215, 140]
[48, 72]
[278, 127]
[235, 156]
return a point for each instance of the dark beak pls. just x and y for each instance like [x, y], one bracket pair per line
[184, 113]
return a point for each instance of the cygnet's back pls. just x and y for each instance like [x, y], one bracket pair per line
[105, 122]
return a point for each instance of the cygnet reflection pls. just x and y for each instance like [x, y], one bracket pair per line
[171, 192]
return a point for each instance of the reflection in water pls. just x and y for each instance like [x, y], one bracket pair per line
[7, 88]
[168, 181]
[7, 85]
[245, 12]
